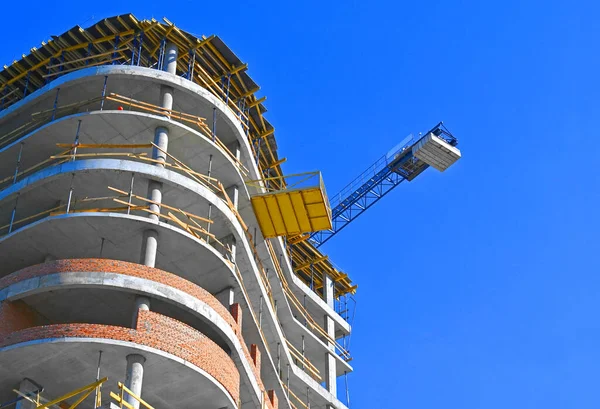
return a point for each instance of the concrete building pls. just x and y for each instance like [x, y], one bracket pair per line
[129, 246]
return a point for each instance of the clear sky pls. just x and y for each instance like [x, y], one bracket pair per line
[478, 287]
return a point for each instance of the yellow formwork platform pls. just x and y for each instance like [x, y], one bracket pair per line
[290, 212]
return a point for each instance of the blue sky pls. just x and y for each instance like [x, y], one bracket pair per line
[478, 287]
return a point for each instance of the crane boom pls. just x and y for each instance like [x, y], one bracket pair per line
[405, 161]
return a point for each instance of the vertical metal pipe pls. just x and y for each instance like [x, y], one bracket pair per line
[76, 143]
[26, 85]
[101, 247]
[260, 309]
[228, 82]
[210, 204]
[89, 52]
[133, 50]
[97, 399]
[18, 163]
[103, 93]
[279, 359]
[14, 211]
[193, 65]
[304, 305]
[114, 54]
[140, 48]
[130, 193]
[70, 194]
[288, 380]
[55, 104]
[214, 124]
[303, 358]
[308, 397]
[258, 151]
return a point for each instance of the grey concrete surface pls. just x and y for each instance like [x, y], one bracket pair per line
[169, 381]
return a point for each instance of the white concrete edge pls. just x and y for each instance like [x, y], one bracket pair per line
[131, 345]
[139, 285]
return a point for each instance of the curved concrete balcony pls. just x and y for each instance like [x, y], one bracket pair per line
[35, 195]
[83, 290]
[83, 91]
[118, 128]
[182, 366]
[77, 235]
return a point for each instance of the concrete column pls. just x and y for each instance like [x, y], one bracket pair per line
[27, 387]
[170, 64]
[141, 303]
[225, 297]
[330, 364]
[161, 139]
[233, 193]
[229, 241]
[149, 248]
[134, 378]
[166, 99]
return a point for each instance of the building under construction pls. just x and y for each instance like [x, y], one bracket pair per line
[152, 253]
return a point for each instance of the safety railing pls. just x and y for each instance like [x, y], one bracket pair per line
[120, 398]
[114, 101]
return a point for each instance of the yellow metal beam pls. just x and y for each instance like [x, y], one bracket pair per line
[76, 392]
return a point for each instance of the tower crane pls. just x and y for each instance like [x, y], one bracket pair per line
[406, 161]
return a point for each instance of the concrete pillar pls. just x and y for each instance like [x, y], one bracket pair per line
[233, 193]
[166, 99]
[330, 364]
[161, 139]
[225, 297]
[134, 378]
[229, 241]
[149, 248]
[27, 387]
[141, 303]
[170, 64]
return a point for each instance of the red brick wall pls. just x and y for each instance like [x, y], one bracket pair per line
[119, 267]
[149, 273]
[236, 313]
[273, 398]
[17, 315]
[153, 330]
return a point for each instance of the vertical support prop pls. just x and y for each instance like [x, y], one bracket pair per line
[214, 124]
[76, 143]
[103, 93]
[14, 211]
[18, 162]
[55, 105]
[130, 193]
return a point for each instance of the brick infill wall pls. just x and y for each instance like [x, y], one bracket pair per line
[152, 330]
[91, 265]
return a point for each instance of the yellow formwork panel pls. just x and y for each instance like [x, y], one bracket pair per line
[292, 212]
